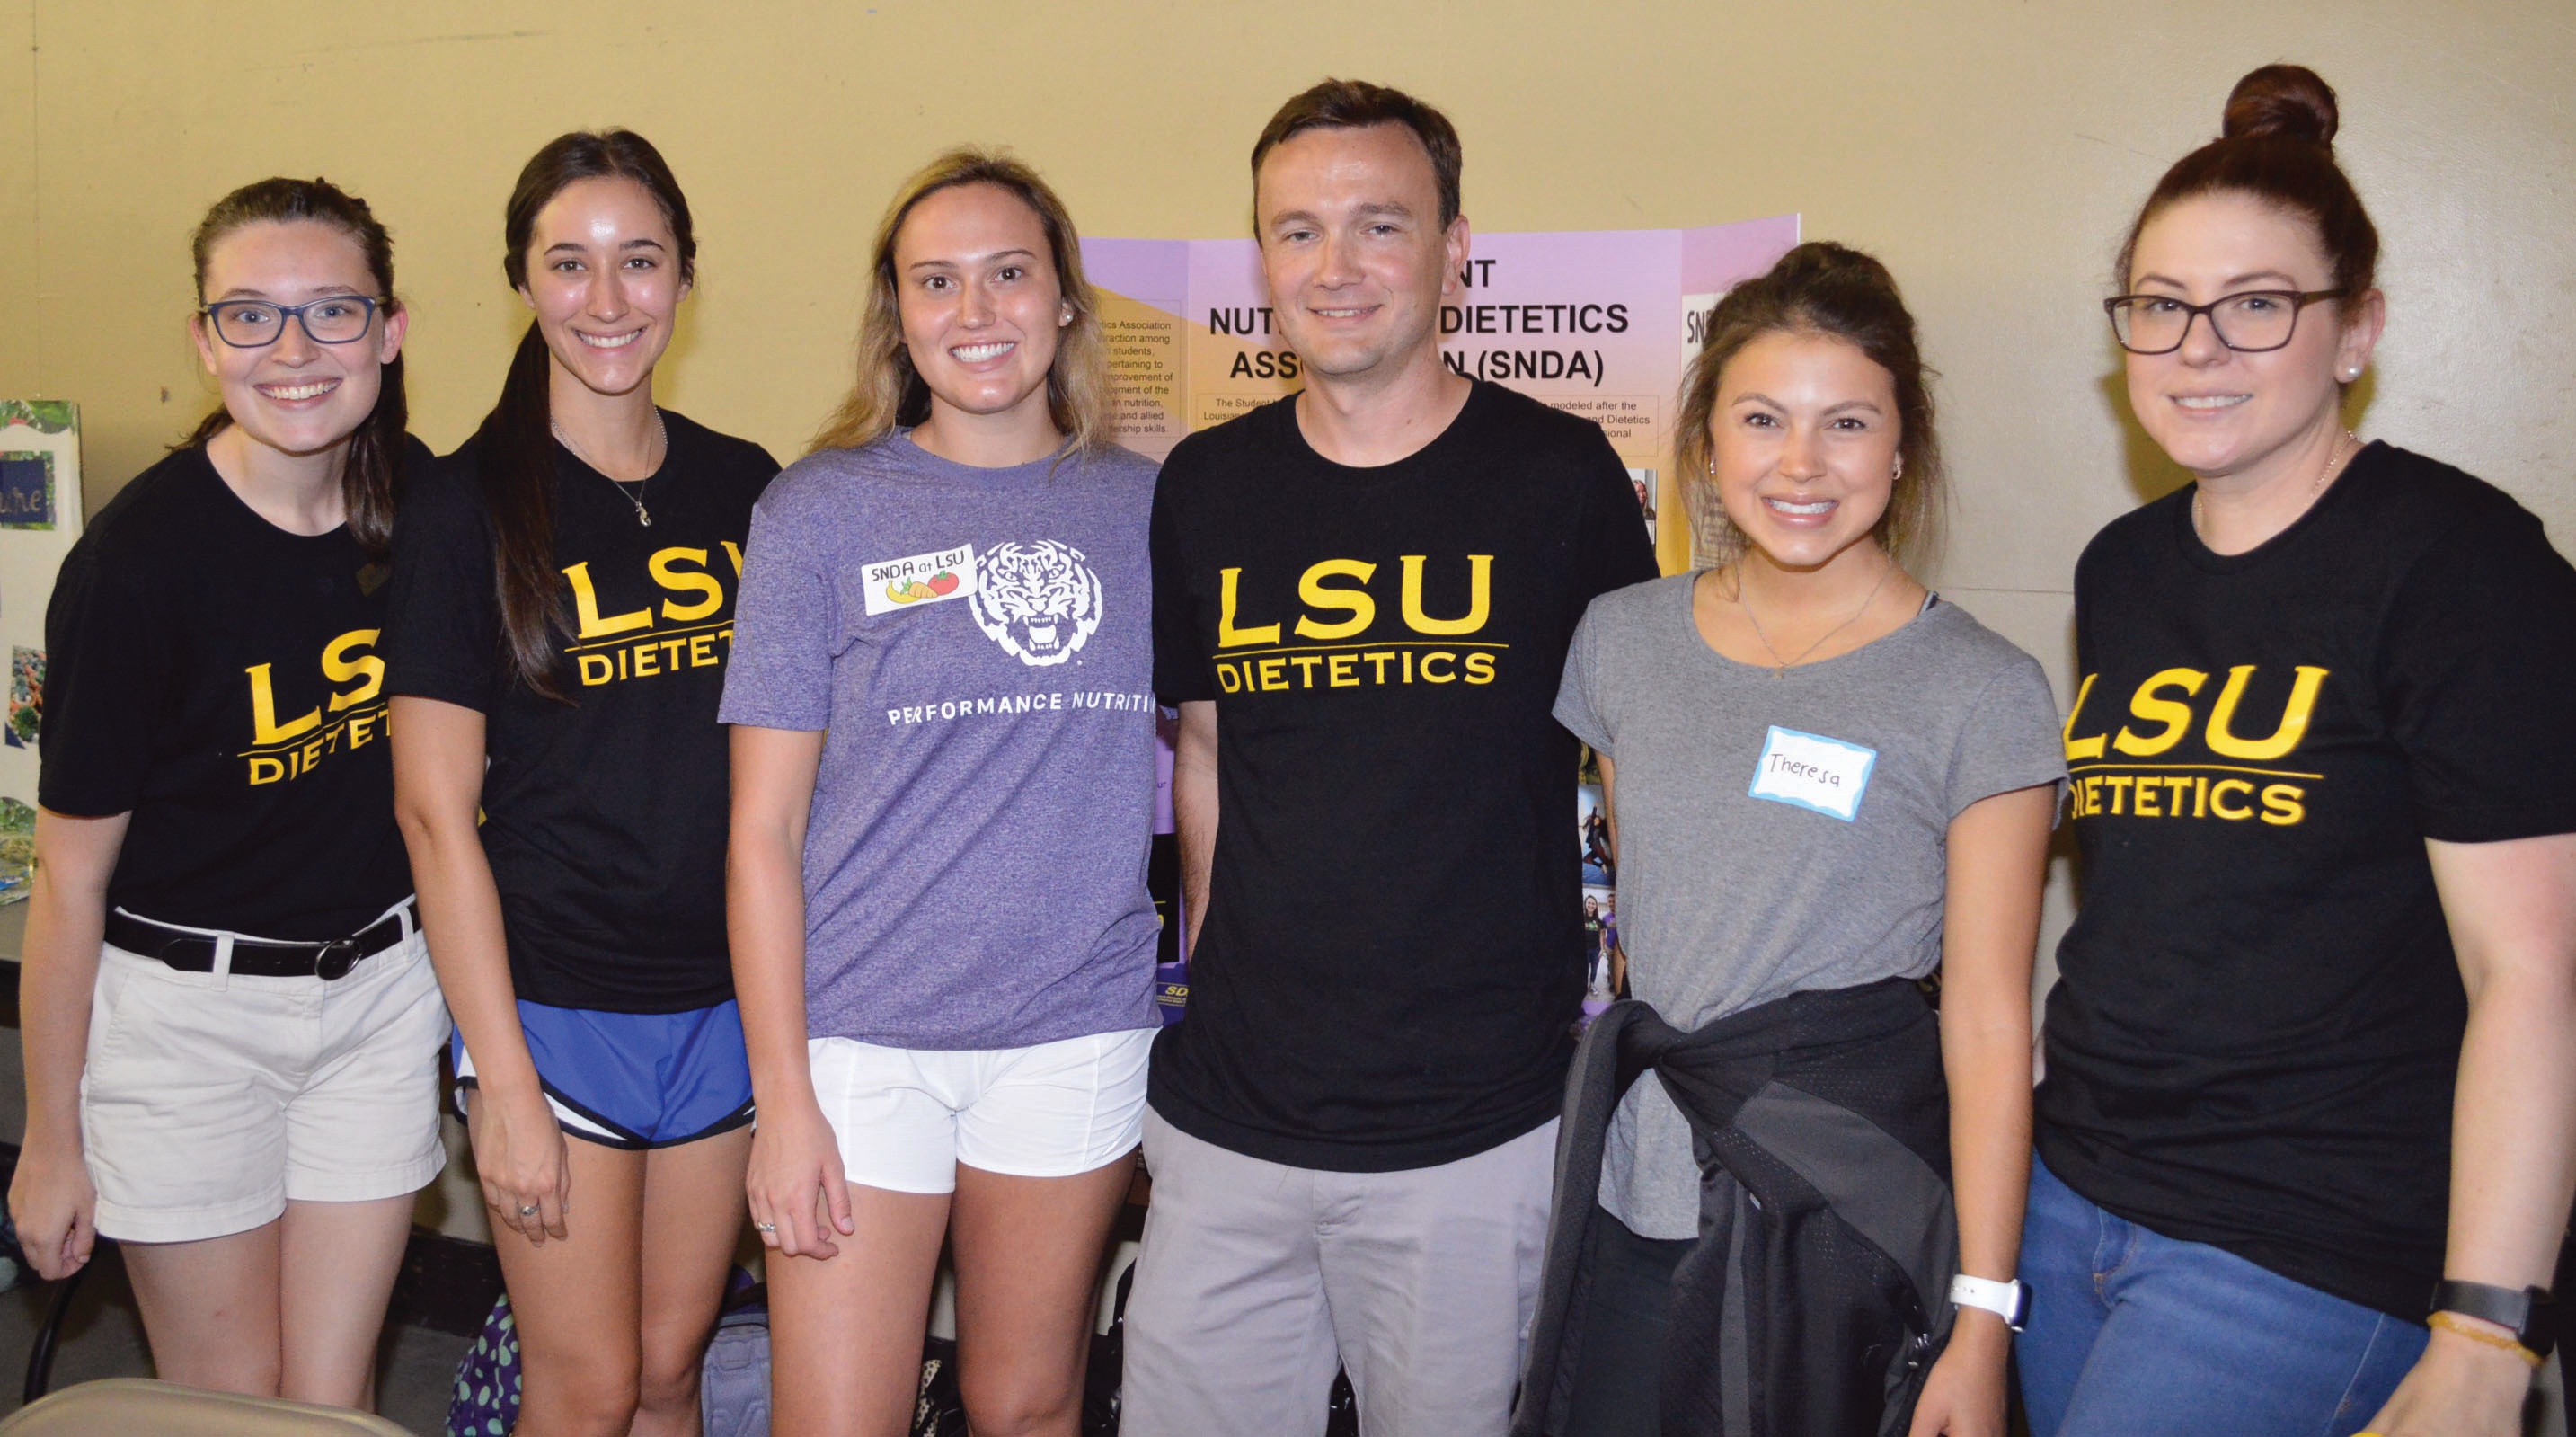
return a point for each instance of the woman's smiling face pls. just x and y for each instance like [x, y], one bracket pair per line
[604, 279]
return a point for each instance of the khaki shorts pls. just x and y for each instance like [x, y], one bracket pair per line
[212, 1100]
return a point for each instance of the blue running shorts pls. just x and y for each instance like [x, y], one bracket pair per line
[634, 1080]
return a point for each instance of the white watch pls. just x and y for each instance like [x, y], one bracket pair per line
[2007, 1300]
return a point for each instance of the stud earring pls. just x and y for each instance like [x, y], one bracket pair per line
[1065, 318]
[1900, 468]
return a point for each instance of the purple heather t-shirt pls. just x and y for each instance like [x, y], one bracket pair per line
[976, 645]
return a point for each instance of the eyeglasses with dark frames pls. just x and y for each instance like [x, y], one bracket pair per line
[2250, 322]
[257, 323]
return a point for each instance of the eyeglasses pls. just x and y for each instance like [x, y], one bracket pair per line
[2249, 323]
[254, 323]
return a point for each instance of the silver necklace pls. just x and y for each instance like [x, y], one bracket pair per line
[1782, 671]
[2198, 523]
[662, 436]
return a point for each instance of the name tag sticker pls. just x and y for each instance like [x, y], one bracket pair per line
[893, 584]
[1809, 771]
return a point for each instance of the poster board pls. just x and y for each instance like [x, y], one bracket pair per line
[40, 517]
[1599, 323]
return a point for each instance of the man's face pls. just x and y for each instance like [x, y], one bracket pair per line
[1353, 248]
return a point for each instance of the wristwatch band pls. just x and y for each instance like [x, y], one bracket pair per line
[2526, 1312]
[2007, 1300]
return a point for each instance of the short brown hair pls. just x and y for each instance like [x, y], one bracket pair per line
[1819, 288]
[1356, 105]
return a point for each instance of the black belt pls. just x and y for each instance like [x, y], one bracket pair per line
[256, 957]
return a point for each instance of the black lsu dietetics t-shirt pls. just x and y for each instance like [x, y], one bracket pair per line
[2257, 1032]
[1393, 953]
[605, 818]
[219, 678]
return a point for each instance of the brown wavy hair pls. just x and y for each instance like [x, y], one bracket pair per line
[890, 392]
[371, 472]
[1829, 289]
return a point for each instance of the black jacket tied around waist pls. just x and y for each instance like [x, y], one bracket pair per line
[1817, 1294]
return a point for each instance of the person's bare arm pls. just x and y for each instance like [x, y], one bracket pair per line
[1998, 859]
[2511, 908]
[798, 1191]
[51, 1198]
[438, 791]
[1194, 811]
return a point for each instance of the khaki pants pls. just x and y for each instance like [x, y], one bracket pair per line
[1257, 1278]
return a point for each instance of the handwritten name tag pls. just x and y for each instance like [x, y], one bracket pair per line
[1805, 770]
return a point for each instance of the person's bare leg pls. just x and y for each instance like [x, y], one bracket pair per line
[845, 1331]
[210, 1309]
[337, 1263]
[1028, 1269]
[576, 1300]
[693, 1217]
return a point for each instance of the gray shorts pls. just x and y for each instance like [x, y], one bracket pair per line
[1257, 1278]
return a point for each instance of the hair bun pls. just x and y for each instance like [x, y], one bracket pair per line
[2281, 102]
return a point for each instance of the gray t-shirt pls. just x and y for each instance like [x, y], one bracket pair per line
[976, 645]
[1782, 834]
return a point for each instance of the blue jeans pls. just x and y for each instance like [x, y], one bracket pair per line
[2132, 1335]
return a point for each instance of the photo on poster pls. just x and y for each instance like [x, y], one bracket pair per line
[1602, 970]
[26, 489]
[26, 696]
[1592, 829]
[1644, 479]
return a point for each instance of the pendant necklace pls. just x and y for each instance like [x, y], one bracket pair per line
[635, 496]
[1782, 671]
[2199, 525]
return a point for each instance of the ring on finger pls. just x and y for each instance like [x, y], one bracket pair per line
[527, 1209]
[764, 1227]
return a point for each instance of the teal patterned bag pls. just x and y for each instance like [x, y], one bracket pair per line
[486, 1402]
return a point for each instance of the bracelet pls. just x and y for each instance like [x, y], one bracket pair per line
[2458, 1328]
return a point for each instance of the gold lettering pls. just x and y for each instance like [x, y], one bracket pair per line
[733, 551]
[684, 581]
[2294, 715]
[2281, 805]
[585, 607]
[266, 770]
[1274, 672]
[648, 660]
[1480, 668]
[1377, 663]
[1312, 593]
[2200, 798]
[2081, 747]
[1229, 678]
[1444, 656]
[2218, 799]
[1227, 635]
[593, 677]
[1306, 668]
[1480, 569]
[338, 667]
[702, 650]
[2172, 713]
[1341, 671]
[2143, 797]
[2118, 783]
[362, 729]
[265, 730]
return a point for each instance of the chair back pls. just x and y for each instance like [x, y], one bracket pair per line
[136, 1407]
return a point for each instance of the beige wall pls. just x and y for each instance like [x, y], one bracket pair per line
[1990, 150]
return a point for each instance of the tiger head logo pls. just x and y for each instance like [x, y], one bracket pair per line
[1039, 601]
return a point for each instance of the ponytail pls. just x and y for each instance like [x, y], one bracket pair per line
[515, 459]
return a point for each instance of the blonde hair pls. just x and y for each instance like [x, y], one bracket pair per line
[1818, 288]
[890, 392]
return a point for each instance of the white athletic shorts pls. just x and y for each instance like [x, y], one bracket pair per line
[906, 1117]
[210, 1100]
